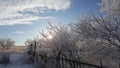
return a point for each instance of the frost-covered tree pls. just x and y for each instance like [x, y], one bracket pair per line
[111, 7]
[6, 43]
[9, 42]
[57, 41]
[99, 38]
[100, 34]
[63, 41]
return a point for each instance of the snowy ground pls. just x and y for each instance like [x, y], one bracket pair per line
[16, 62]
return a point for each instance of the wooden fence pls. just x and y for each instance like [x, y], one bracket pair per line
[53, 62]
[67, 63]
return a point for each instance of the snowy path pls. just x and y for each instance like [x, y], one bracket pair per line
[16, 62]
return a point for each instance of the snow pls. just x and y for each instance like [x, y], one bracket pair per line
[16, 62]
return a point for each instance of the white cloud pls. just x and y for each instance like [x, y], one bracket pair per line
[22, 20]
[18, 32]
[18, 11]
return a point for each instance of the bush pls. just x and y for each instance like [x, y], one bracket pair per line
[4, 58]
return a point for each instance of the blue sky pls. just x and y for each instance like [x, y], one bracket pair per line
[23, 19]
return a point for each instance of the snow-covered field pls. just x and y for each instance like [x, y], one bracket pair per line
[16, 62]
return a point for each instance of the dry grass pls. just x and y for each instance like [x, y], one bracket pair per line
[14, 49]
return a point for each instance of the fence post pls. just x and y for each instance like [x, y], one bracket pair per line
[80, 65]
[119, 65]
[62, 63]
[34, 51]
[74, 64]
[101, 66]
